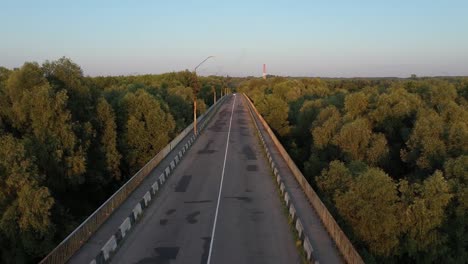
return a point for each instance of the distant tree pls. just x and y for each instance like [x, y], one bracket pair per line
[108, 134]
[356, 104]
[456, 171]
[315, 87]
[335, 180]
[64, 74]
[201, 107]
[181, 110]
[424, 211]
[275, 112]
[40, 115]
[426, 146]
[378, 149]
[354, 138]
[398, 104]
[25, 205]
[326, 126]
[456, 217]
[440, 94]
[371, 206]
[288, 90]
[147, 128]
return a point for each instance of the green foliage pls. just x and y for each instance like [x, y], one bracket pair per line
[424, 211]
[370, 205]
[25, 205]
[326, 126]
[107, 129]
[354, 138]
[426, 146]
[147, 129]
[69, 141]
[275, 112]
[376, 148]
[335, 180]
[356, 104]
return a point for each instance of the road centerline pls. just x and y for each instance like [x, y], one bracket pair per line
[221, 183]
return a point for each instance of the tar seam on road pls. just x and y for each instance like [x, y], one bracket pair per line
[221, 183]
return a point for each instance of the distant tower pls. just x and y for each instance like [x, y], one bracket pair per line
[264, 71]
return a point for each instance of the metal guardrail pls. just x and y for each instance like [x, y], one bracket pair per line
[85, 230]
[342, 242]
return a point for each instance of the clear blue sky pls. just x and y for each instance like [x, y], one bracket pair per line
[297, 38]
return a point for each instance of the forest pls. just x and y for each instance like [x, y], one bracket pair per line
[388, 157]
[69, 141]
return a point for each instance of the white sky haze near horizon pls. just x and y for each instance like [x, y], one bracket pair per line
[294, 38]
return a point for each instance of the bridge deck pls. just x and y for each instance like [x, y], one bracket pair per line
[177, 227]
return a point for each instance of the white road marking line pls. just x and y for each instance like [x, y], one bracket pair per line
[221, 183]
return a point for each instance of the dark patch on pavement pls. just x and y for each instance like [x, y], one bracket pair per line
[248, 190]
[240, 198]
[241, 121]
[249, 153]
[244, 132]
[206, 249]
[206, 149]
[170, 211]
[192, 218]
[252, 168]
[164, 256]
[218, 125]
[199, 201]
[163, 222]
[183, 183]
[256, 216]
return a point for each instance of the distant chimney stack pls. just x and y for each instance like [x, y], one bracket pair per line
[264, 71]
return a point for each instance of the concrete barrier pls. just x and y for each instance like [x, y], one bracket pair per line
[147, 198]
[300, 229]
[155, 187]
[137, 211]
[286, 198]
[125, 226]
[342, 242]
[308, 248]
[292, 212]
[162, 179]
[109, 247]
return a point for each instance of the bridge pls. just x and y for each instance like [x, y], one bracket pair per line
[230, 194]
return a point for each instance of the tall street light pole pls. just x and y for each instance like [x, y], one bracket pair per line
[196, 88]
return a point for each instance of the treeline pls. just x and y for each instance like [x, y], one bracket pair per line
[388, 157]
[67, 142]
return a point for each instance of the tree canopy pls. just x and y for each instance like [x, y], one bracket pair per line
[388, 158]
[70, 141]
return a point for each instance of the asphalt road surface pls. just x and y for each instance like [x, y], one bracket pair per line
[220, 205]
